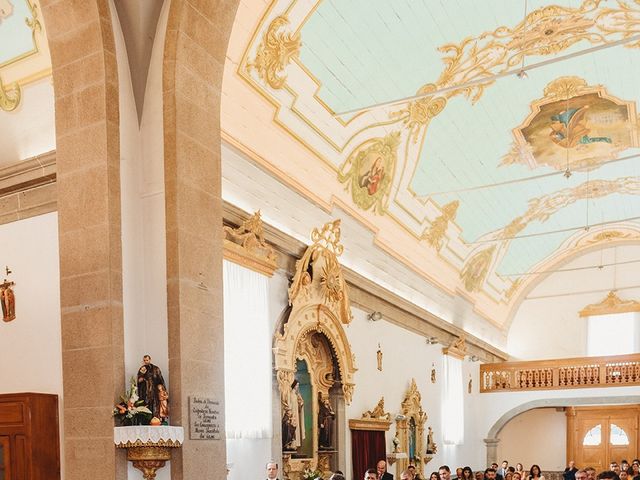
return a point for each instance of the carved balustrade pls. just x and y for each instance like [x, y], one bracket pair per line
[585, 372]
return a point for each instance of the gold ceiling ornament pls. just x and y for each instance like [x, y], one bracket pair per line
[623, 19]
[612, 303]
[541, 209]
[546, 31]
[564, 88]
[475, 270]
[609, 235]
[419, 113]
[10, 96]
[513, 288]
[411, 425]
[368, 171]
[275, 52]
[574, 126]
[246, 246]
[437, 230]
[458, 348]
[34, 22]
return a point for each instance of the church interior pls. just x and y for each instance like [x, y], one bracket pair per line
[247, 238]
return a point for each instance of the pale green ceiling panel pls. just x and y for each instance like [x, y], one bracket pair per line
[15, 35]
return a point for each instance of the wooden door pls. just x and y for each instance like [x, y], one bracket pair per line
[597, 436]
[5, 459]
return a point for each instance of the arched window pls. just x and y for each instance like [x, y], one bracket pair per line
[618, 436]
[593, 436]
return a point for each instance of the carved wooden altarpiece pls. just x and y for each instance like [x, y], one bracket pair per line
[313, 332]
[411, 425]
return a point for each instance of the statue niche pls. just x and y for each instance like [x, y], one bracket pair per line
[313, 360]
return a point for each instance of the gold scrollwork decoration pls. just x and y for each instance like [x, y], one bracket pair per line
[457, 348]
[475, 270]
[34, 22]
[247, 246]
[437, 230]
[541, 209]
[275, 52]
[377, 412]
[419, 113]
[10, 96]
[612, 303]
[369, 170]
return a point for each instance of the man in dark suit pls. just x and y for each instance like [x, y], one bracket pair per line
[272, 470]
[570, 472]
[381, 467]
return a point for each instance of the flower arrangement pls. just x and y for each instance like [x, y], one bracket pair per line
[131, 410]
[309, 474]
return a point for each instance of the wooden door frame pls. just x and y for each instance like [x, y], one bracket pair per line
[605, 411]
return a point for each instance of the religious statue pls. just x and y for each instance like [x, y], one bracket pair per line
[7, 299]
[396, 443]
[470, 385]
[149, 379]
[293, 432]
[433, 373]
[8, 302]
[163, 398]
[379, 357]
[432, 448]
[326, 416]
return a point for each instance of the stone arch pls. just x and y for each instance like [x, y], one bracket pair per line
[492, 439]
[195, 47]
[586, 243]
[85, 85]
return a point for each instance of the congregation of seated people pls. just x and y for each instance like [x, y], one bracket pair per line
[622, 471]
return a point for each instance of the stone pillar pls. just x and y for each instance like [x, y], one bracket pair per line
[492, 450]
[88, 177]
[195, 49]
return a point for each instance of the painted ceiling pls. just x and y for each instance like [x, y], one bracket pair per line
[502, 174]
[26, 91]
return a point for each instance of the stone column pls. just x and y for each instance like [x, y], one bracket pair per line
[492, 450]
[195, 49]
[88, 184]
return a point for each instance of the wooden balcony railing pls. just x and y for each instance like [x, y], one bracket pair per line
[585, 372]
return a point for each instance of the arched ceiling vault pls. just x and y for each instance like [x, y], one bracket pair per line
[475, 186]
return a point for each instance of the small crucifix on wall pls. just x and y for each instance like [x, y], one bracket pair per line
[7, 299]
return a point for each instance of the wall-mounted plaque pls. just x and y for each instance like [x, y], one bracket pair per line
[205, 418]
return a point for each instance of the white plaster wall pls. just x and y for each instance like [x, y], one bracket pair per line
[30, 345]
[143, 215]
[538, 436]
[554, 304]
[407, 356]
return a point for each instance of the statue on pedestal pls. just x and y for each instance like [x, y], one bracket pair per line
[152, 389]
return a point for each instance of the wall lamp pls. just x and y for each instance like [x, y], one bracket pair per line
[432, 340]
[374, 316]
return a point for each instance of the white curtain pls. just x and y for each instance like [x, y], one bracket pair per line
[247, 353]
[453, 402]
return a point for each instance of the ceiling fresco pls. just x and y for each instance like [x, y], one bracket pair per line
[500, 173]
[26, 90]
[24, 53]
